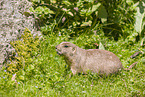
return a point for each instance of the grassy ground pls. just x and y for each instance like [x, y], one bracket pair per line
[47, 76]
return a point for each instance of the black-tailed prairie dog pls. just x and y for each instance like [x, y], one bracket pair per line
[94, 60]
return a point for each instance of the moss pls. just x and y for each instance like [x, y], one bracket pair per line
[26, 49]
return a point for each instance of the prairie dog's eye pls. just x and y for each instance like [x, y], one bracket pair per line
[66, 46]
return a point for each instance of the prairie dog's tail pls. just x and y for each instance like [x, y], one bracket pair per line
[131, 66]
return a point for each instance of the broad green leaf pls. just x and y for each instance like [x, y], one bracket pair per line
[102, 13]
[88, 12]
[66, 2]
[101, 46]
[48, 11]
[39, 10]
[95, 7]
[140, 16]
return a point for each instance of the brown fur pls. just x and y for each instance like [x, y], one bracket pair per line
[94, 60]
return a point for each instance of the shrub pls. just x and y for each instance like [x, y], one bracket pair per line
[26, 48]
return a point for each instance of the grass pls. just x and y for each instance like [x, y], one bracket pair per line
[46, 76]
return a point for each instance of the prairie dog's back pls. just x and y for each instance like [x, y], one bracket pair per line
[102, 61]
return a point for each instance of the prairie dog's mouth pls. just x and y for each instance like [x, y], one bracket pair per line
[58, 52]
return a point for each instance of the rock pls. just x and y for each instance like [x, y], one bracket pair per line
[12, 24]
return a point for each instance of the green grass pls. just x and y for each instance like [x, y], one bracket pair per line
[46, 76]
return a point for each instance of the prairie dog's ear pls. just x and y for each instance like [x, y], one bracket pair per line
[74, 49]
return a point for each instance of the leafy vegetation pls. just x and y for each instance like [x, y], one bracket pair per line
[39, 71]
[83, 15]
[26, 49]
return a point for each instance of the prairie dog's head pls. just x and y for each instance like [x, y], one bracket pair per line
[66, 49]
